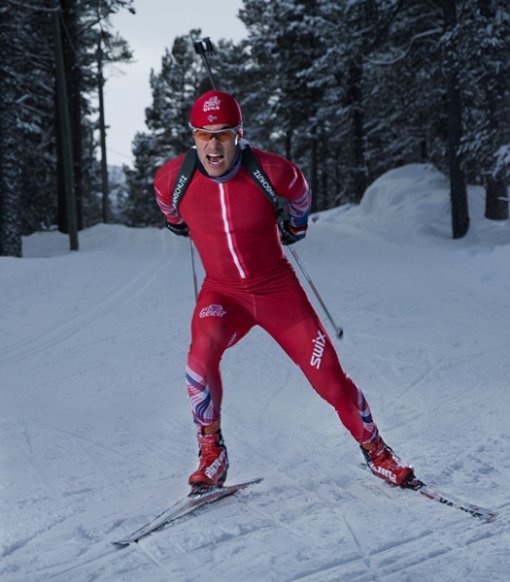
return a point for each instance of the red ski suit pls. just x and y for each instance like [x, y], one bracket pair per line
[249, 281]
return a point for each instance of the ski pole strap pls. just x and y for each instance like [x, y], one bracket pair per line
[186, 172]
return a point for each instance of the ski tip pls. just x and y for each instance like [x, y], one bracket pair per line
[483, 514]
[255, 481]
[247, 483]
[491, 516]
[121, 543]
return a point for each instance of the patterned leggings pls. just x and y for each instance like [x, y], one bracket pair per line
[223, 316]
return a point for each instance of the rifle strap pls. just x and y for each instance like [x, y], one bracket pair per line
[183, 180]
[249, 161]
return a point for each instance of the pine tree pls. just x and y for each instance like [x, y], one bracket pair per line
[140, 208]
[283, 45]
[83, 22]
[27, 116]
[10, 171]
[348, 34]
[27, 120]
[485, 44]
[174, 89]
[412, 72]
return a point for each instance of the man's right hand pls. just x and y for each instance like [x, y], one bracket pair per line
[291, 234]
[180, 229]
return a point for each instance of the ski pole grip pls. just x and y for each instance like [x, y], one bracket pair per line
[204, 48]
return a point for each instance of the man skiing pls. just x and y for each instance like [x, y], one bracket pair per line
[249, 281]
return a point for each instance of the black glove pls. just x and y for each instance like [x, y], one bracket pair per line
[291, 234]
[178, 229]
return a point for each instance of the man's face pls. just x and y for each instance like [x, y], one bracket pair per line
[218, 153]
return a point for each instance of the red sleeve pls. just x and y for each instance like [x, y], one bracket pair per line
[164, 186]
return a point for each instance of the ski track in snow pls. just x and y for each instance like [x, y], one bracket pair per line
[367, 564]
[60, 333]
[109, 440]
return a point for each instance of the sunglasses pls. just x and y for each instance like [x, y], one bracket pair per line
[222, 135]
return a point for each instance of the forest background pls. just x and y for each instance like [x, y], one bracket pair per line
[346, 89]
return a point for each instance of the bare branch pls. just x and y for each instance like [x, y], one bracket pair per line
[18, 4]
[403, 54]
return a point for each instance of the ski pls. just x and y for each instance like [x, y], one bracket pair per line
[435, 494]
[183, 507]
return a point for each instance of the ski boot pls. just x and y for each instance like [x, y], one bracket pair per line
[384, 463]
[212, 462]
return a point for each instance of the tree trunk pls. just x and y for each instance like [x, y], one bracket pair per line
[458, 188]
[497, 91]
[314, 183]
[10, 182]
[357, 178]
[64, 136]
[10, 169]
[73, 82]
[496, 199]
[288, 144]
[102, 133]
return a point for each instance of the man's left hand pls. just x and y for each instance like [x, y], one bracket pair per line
[291, 234]
[180, 229]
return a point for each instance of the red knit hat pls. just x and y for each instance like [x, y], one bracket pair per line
[215, 107]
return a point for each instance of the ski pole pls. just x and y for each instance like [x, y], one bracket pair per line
[204, 48]
[195, 284]
[338, 329]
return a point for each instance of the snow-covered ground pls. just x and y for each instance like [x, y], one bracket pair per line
[96, 433]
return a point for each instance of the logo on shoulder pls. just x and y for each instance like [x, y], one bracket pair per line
[212, 311]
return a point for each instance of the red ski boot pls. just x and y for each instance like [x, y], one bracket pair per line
[384, 463]
[212, 462]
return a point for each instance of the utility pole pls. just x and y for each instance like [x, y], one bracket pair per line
[102, 129]
[65, 132]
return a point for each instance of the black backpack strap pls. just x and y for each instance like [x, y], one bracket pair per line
[257, 174]
[183, 180]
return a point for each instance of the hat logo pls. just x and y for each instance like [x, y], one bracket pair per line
[212, 117]
[212, 104]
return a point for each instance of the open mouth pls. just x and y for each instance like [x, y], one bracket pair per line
[215, 159]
